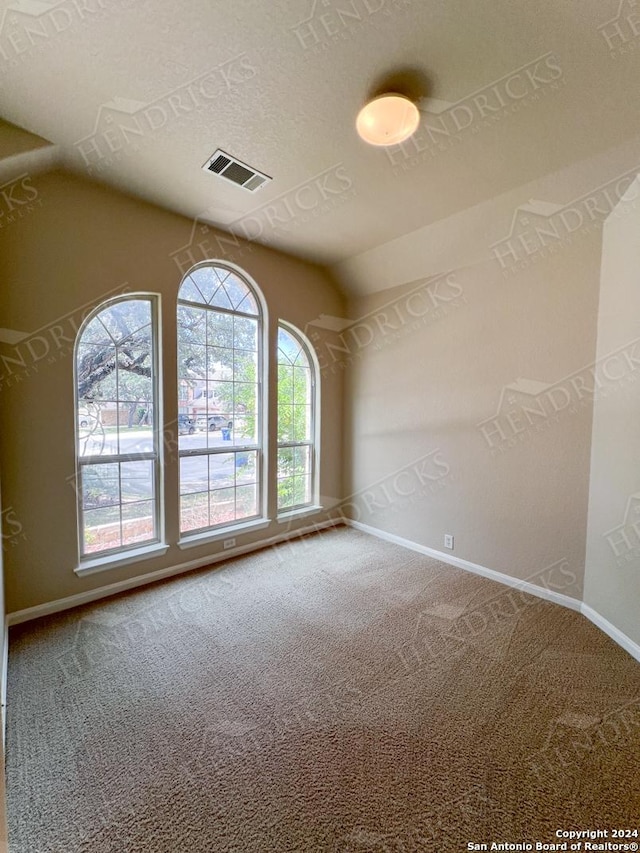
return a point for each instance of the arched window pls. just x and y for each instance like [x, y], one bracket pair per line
[117, 444]
[297, 421]
[220, 332]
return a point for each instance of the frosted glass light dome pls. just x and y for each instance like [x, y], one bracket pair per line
[387, 120]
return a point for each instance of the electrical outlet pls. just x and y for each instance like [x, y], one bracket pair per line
[448, 540]
[230, 543]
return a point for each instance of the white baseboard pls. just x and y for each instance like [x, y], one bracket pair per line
[61, 604]
[611, 631]
[459, 563]
[549, 595]
[50, 607]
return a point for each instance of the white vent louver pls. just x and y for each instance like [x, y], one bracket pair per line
[234, 170]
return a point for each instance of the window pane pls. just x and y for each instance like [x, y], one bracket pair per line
[105, 388]
[245, 427]
[135, 382]
[245, 366]
[301, 423]
[285, 493]
[91, 432]
[285, 383]
[100, 486]
[206, 282]
[221, 470]
[245, 333]
[221, 298]
[285, 461]
[301, 490]
[249, 305]
[96, 333]
[194, 474]
[246, 467]
[190, 291]
[285, 423]
[236, 289]
[136, 481]
[94, 364]
[301, 385]
[128, 320]
[192, 361]
[246, 501]
[219, 329]
[222, 506]
[115, 392]
[192, 323]
[288, 347]
[194, 511]
[302, 459]
[285, 473]
[101, 529]
[135, 430]
[219, 363]
[138, 522]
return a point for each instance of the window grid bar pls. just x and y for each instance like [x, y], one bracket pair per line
[212, 451]
[120, 492]
[117, 402]
[229, 525]
[119, 548]
[143, 456]
[206, 307]
[306, 443]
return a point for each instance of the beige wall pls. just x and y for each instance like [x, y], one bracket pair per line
[4, 652]
[79, 243]
[612, 576]
[422, 466]
[467, 402]
[14, 140]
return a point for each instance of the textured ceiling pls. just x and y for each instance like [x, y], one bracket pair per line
[139, 94]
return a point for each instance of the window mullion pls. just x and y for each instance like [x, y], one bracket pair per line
[143, 456]
[305, 443]
[218, 451]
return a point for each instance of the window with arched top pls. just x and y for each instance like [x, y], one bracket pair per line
[117, 438]
[223, 455]
[297, 421]
[220, 421]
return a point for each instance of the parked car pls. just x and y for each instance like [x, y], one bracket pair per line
[213, 422]
[186, 425]
[87, 419]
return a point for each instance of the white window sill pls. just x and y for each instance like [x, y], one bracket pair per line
[303, 511]
[228, 533]
[122, 558]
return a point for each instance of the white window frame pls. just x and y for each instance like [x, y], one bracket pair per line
[261, 518]
[96, 560]
[314, 442]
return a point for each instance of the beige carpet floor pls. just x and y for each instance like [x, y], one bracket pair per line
[336, 694]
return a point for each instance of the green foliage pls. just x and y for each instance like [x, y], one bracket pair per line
[221, 350]
[294, 463]
[294, 398]
[114, 358]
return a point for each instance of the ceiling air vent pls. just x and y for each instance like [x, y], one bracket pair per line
[228, 167]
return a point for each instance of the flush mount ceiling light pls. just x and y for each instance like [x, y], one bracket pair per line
[387, 120]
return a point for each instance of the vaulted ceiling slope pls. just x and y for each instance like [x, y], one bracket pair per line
[139, 95]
